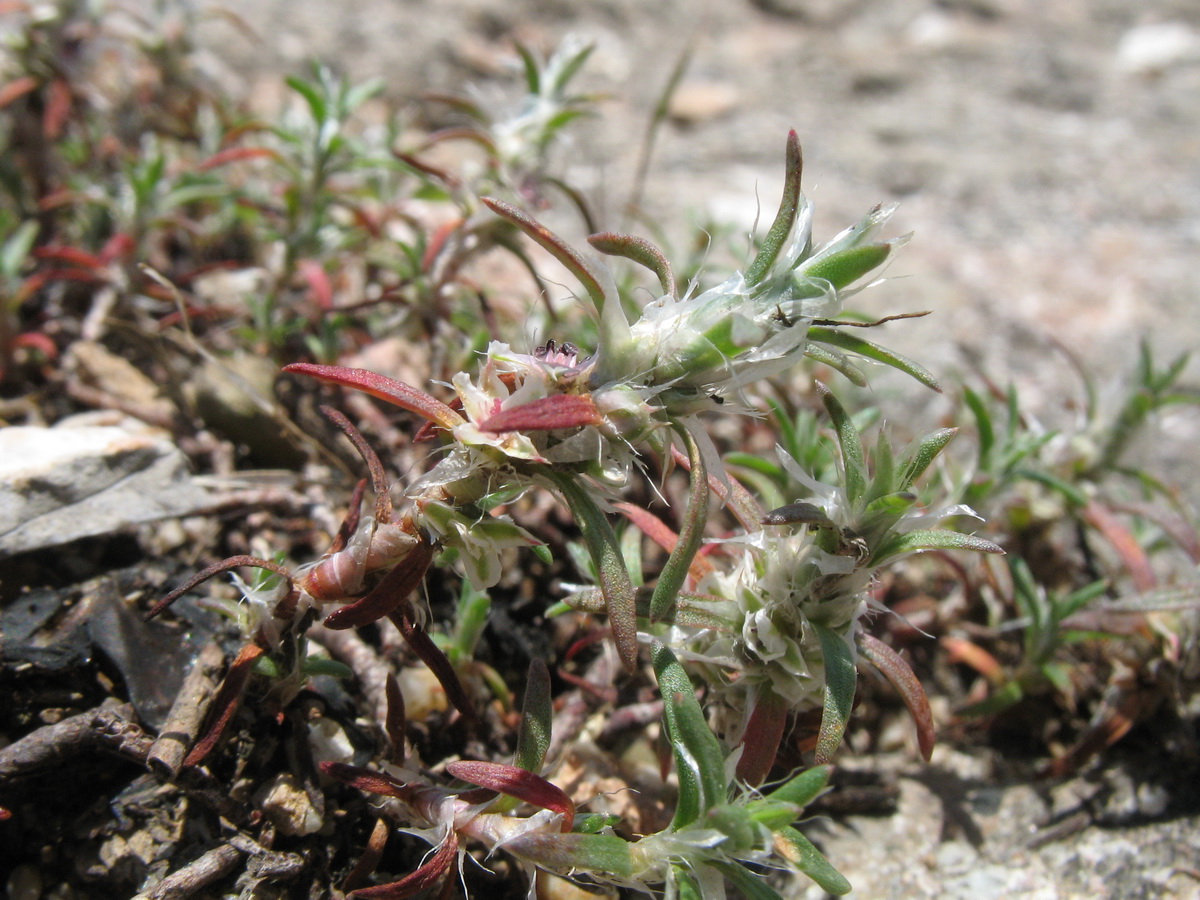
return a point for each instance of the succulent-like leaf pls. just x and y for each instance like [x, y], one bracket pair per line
[764, 731]
[394, 588]
[932, 539]
[840, 681]
[901, 677]
[620, 596]
[533, 740]
[785, 218]
[853, 459]
[570, 852]
[640, 251]
[389, 389]
[804, 788]
[919, 457]
[546, 414]
[675, 571]
[234, 562]
[699, 762]
[516, 782]
[800, 852]
[750, 884]
[854, 344]
[431, 873]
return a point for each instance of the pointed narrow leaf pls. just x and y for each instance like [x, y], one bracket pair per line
[919, 458]
[785, 218]
[853, 459]
[620, 596]
[552, 243]
[384, 388]
[225, 704]
[854, 344]
[366, 780]
[516, 782]
[699, 762]
[932, 539]
[234, 562]
[432, 872]
[800, 852]
[640, 251]
[844, 267]
[675, 571]
[804, 788]
[840, 682]
[686, 886]
[750, 884]
[839, 362]
[404, 618]
[902, 678]
[566, 853]
[533, 740]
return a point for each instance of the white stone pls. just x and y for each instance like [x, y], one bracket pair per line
[88, 475]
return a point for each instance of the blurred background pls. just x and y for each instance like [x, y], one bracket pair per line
[1046, 155]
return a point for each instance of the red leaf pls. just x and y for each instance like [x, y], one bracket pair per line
[58, 107]
[901, 676]
[397, 392]
[365, 780]
[432, 871]
[546, 414]
[385, 597]
[235, 154]
[225, 704]
[72, 255]
[433, 657]
[1128, 549]
[516, 782]
[18, 87]
[234, 562]
[764, 731]
[318, 282]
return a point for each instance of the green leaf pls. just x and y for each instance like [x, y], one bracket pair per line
[932, 539]
[675, 571]
[852, 450]
[594, 823]
[785, 218]
[800, 852]
[844, 267]
[840, 681]
[321, 665]
[640, 251]
[686, 885]
[620, 595]
[983, 425]
[316, 103]
[920, 456]
[529, 63]
[839, 362]
[751, 884]
[17, 247]
[804, 788]
[854, 344]
[699, 762]
[533, 739]
[567, 852]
